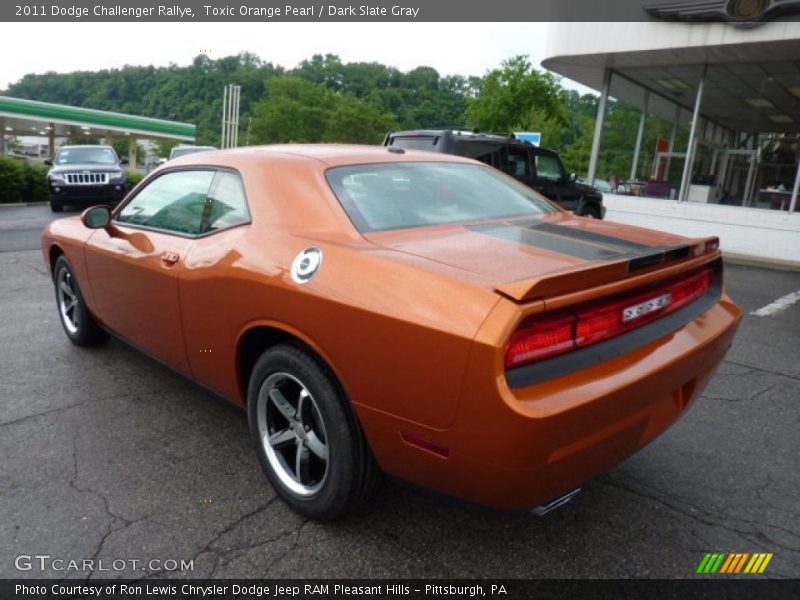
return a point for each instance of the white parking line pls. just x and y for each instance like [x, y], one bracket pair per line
[778, 305]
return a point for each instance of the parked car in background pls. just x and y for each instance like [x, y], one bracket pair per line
[374, 313]
[185, 149]
[604, 187]
[538, 168]
[82, 175]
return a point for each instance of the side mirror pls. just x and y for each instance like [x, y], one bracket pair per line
[123, 161]
[573, 177]
[96, 217]
[49, 162]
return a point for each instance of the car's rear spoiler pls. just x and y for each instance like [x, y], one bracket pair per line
[593, 274]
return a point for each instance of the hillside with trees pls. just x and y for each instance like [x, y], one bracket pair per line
[326, 100]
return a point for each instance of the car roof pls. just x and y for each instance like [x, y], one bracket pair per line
[330, 155]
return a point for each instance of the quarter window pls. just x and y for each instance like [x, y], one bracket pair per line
[226, 205]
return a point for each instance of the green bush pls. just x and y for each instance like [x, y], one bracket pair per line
[12, 180]
[36, 188]
[132, 178]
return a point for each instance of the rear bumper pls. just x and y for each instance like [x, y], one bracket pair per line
[518, 448]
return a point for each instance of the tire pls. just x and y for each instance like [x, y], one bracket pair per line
[591, 212]
[79, 325]
[56, 204]
[316, 458]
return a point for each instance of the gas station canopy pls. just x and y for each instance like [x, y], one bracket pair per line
[20, 117]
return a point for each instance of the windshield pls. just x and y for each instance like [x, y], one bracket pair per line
[74, 156]
[400, 195]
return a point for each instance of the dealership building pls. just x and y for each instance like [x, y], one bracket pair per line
[726, 99]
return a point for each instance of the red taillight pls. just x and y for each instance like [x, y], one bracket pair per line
[543, 337]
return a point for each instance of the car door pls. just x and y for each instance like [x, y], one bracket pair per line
[135, 264]
[211, 289]
[552, 180]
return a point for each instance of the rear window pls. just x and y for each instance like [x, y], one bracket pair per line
[401, 195]
[416, 142]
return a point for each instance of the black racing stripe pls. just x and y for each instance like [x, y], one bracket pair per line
[546, 241]
[588, 236]
[676, 252]
[643, 261]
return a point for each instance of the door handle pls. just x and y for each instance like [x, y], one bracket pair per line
[170, 258]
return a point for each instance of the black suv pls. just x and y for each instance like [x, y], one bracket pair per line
[85, 174]
[538, 168]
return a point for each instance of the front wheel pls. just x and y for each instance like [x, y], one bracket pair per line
[78, 323]
[307, 439]
[56, 204]
[591, 212]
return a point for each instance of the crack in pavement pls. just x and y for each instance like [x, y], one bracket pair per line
[116, 522]
[60, 409]
[750, 398]
[209, 546]
[705, 520]
[762, 370]
[242, 549]
[284, 554]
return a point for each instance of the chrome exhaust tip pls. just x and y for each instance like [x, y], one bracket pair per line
[543, 509]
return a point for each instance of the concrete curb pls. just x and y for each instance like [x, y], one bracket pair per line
[760, 261]
[16, 204]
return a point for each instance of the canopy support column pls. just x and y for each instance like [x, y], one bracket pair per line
[795, 189]
[639, 135]
[598, 127]
[690, 150]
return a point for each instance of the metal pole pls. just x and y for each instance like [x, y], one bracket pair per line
[793, 201]
[598, 127]
[640, 134]
[236, 117]
[228, 117]
[690, 150]
[224, 104]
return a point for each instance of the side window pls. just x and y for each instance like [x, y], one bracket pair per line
[549, 167]
[515, 162]
[226, 205]
[490, 158]
[174, 202]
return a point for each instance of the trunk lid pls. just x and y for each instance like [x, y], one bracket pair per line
[533, 258]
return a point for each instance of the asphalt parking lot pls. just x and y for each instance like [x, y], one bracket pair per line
[107, 454]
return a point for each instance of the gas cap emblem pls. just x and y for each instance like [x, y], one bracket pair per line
[306, 264]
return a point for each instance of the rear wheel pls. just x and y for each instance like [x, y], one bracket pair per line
[79, 325]
[307, 439]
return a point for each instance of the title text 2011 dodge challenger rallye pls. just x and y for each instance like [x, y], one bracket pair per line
[398, 311]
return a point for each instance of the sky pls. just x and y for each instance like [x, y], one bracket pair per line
[470, 49]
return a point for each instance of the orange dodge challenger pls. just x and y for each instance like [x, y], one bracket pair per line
[421, 315]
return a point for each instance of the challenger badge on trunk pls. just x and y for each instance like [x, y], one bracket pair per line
[639, 310]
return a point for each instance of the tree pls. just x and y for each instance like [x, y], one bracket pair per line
[516, 97]
[295, 110]
[298, 110]
[355, 122]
